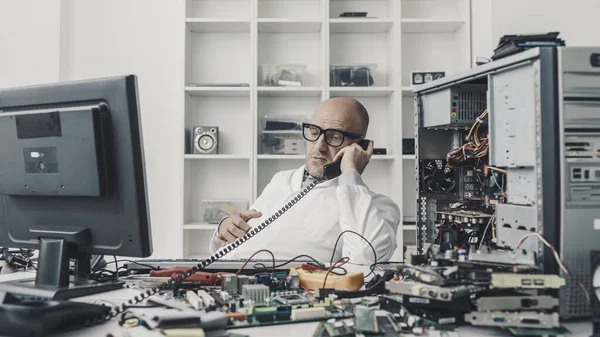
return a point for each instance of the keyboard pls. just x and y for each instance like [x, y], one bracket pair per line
[220, 265]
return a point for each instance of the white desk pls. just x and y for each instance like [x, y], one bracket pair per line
[578, 329]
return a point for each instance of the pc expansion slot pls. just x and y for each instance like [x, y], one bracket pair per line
[526, 281]
[429, 291]
[516, 303]
[523, 319]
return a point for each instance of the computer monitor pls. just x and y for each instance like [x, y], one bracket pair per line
[72, 180]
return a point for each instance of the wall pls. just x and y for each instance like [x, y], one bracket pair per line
[29, 42]
[145, 38]
[576, 20]
[481, 29]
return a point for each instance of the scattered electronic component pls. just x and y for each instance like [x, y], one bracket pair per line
[230, 284]
[263, 279]
[307, 313]
[339, 329]
[242, 280]
[208, 300]
[366, 321]
[258, 293]
[526, 281]
[522, 319]
[294, 281]
[519, 257]
[464, 216]
[291, 299]
[516, 303]
[430, 291]
[194, 300]
[314, 279]
[444, 333]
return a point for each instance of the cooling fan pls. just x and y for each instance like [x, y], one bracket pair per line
[436, 177]
[595, 274]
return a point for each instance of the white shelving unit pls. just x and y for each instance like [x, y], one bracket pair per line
[228, 40]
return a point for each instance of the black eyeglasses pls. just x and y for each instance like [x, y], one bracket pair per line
[333, 137]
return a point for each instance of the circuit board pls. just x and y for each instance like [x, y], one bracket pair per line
[260, 300]
[333, 313]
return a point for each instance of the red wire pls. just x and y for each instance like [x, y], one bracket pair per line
[250, 258]
[345, 259]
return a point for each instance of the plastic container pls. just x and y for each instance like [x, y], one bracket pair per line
[352, 75]
[282, 75]
[282, 134]
[283, 122]
[215, 210]
[282, 142]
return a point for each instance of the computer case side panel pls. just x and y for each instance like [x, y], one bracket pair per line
[579, 107]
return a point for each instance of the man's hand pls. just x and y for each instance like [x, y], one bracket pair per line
[354, 158]
[235, 226]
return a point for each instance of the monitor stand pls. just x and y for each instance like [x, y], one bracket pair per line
[52, 279]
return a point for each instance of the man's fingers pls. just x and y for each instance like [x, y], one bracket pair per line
[220, 240]
[370, 148]
[235, 231]
[250, 214]
[340, 154]
[229, 237]
[241, 224]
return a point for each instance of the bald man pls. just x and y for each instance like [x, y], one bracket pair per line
[344, 203]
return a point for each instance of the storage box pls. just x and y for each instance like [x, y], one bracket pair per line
[283, 122]
[282, 142]
[353, 75]
[215, 210]
[282, 134]
[282, 75]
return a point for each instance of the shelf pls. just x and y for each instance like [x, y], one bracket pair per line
[408, 157]
[383, 157]
[290, 91]
[407, 91]
[362, 91]
[288, 26]
[430, 25]
[204, 25]
[409, 227]
[218, 91]
[359, 25]
[409, 219]
[215, 156]
[282, 156]
[199, 225]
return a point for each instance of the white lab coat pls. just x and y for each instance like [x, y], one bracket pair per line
[312, 225]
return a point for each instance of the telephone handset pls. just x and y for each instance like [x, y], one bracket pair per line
[334, 169]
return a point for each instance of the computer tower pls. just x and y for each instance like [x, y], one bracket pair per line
[509, 148]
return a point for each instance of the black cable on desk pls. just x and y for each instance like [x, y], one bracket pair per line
[362, 237]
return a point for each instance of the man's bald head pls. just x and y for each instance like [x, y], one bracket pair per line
[341, 113]
[346, 108]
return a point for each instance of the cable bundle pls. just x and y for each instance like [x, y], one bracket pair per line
[475, 147]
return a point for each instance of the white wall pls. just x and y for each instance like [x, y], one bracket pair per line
[481, 29]
[29, 42]
[145, 38]
[576, 20]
